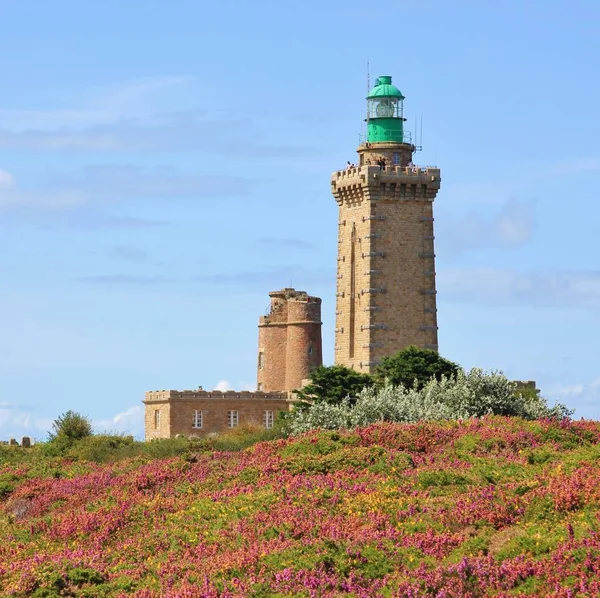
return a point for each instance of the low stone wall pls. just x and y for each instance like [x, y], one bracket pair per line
[25, 442]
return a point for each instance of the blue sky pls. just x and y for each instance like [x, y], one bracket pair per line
[164, 165]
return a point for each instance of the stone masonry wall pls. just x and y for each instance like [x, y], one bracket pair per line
[386, 296]
[304, 348]
[162, 405]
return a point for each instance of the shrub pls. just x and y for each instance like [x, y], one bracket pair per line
[332, 384]
[71, 426]
[103, 448]
[414, 367]
[472, 394]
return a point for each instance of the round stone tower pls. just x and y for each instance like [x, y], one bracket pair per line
[289, 340]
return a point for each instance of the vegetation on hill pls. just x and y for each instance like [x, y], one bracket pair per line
[497, 506]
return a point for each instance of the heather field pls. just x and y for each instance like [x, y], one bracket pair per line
[491, 507]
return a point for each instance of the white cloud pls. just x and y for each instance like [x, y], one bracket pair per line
[251, 386]
[84, 198]
[99, 106]
[583, 396]
[223, 385]
[6, 179]
[17, 421]
[130, 421]
[15, 198]
[575, 166]
[511, 227]
[540, 288]
[129, 253]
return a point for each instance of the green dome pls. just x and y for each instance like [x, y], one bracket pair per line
[384, 89]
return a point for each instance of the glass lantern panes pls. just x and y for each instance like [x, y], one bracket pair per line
[384, 108]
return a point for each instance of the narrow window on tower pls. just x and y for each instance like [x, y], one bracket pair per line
[310, 349]
[261, 360]
[156, 419]
[352, 290]
[396, 159]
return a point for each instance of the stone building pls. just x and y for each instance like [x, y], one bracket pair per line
[289, 339]
[200, 412]
[386, 295]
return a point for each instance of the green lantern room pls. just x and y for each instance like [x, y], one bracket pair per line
[385, 112]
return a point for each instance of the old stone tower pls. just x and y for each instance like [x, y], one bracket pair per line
[289, 340]
[386, 295]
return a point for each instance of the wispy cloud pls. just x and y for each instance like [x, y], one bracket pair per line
[87, 197]
[275, 277]
[17, 421]
[6, 179]
[78, 218]
[142, 116]
[130, 421]
[129, 253]
[542, 288]
[513, 226]
[584, 396]
[122, 280]
[574, 166]
[100, 105]
[272, 242]
[224, 385]
[270, 278]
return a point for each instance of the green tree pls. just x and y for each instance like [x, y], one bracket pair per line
[413, 368]
[332, 384]
[70, 427]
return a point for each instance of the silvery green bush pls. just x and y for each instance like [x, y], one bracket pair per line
[473, 394]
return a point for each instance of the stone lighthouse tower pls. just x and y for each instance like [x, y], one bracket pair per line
[386, 296]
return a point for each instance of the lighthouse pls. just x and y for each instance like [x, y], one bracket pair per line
[386, 292]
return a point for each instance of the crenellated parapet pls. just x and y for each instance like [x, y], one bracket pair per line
[370, 183]
[158, 396]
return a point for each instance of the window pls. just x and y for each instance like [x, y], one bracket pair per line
[261, 360]
[268, 419]
[396, 159]
[197, 419]
[156, 419]
[260, 387]
[310, 349]
[232, 419]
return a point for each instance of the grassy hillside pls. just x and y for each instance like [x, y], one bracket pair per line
[493, 507]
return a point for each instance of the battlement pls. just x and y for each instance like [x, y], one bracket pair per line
[155, 396]
[291, 294]
[289, 306]
[371, 174]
